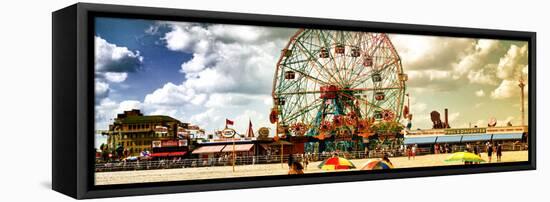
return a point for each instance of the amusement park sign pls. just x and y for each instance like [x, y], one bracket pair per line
[456, 131]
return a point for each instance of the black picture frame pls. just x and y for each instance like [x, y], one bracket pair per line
[73, 99]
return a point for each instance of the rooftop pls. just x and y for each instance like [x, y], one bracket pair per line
[146, 119]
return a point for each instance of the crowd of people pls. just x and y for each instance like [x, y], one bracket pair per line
[491, 148]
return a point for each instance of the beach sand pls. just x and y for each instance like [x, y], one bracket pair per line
[163, 175]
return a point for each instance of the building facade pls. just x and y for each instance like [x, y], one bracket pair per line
[511, 137]
[135, 132]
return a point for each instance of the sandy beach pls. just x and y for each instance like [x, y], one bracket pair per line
[143, 176]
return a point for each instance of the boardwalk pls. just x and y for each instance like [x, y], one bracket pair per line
[142, 176]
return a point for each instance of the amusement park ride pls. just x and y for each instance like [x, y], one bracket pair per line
[335, 85]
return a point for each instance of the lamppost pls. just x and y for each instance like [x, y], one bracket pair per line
[230, 133]
[522, 87]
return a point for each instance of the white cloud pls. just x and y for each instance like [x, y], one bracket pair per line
[430, 79]
[208, 119]
[419, 107]
[171, 94]
[486, 75]
[480, 93]
[438, 63]
[112, 64]
[428, 52]
[453, 117]
[223, 100]
[258, 119]
[116, 77]
[129, 105]
[101, 89]
[479, 65]
[514, 64]
[107, 109]
[186, 37]
[225, 77]
[478, 105]
[222, 53]
[112, 58]
[506, 89]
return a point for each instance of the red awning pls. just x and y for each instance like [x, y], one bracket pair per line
[238, 148]
[208, 149]
[168, 154]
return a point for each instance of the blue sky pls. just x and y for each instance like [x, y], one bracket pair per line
[205, 73]
[158, 67]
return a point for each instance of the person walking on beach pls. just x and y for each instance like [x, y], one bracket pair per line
[476, 152]
[413, 151]
[409, 152]
[499, 152]
[489, 152]
[306, 160]
[295, 168]
[290, 160]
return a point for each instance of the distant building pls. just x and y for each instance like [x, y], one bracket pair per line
[509, 136]
[136, 132]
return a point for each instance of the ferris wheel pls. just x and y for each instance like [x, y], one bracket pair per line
[326, 79]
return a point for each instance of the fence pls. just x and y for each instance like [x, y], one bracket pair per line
[226, 161]
[264, 159]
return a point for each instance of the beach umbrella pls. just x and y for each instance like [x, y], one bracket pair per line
[464, 156]
[144, 153]
[336, 163]
[131, 158]
[377, 165]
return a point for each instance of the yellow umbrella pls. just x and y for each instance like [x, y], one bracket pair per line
[464, 156]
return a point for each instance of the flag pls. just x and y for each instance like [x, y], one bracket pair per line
[250, 131]
[228, 122]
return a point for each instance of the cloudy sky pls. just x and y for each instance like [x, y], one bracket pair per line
[205, 73]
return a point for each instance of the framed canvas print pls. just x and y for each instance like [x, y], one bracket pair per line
[156, 100]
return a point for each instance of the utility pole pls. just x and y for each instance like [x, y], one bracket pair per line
[522, 87]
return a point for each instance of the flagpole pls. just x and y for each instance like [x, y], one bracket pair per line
[234, 157]
[233, 140]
